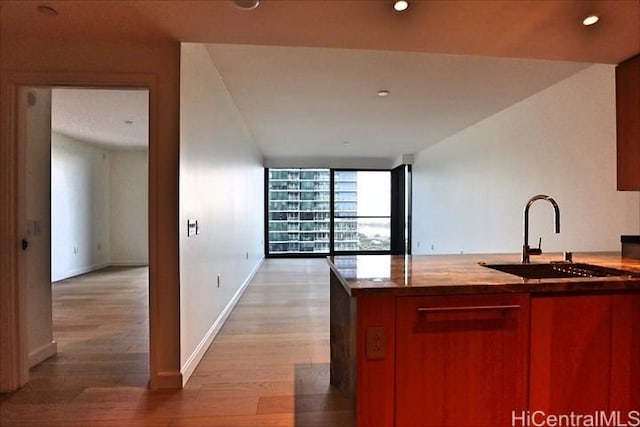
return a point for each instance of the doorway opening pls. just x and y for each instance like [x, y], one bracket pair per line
[85, 190]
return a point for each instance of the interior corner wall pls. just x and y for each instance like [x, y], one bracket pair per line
[221, 187]
[128, 213]
[470, 189]
[99, 207]
[79, 207]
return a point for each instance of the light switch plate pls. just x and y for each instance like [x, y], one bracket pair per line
[192, 227]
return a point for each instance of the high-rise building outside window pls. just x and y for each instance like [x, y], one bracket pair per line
[301, 218]
[299, 214]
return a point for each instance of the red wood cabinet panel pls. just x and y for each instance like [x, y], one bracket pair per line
[375, 377]
[485, 360]
[570, 354]
[624, 386]
[461, 360]
[628, 123]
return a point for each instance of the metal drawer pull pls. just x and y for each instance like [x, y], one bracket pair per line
[467, 308]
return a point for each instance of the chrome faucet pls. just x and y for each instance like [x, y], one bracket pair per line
[526, 250]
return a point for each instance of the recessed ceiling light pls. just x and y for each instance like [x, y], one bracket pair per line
[246, 4]
[590, 20]
[128, 122]
[383, 93]
[400, 5]
[47, 10]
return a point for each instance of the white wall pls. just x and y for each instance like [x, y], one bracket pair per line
[221, 186]
[128, 213]
[330, 162]
[470, 189]
[79, 207]
[98, 207]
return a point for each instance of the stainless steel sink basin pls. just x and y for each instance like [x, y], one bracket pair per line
[559, 270]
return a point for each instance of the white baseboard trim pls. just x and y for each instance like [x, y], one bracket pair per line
[79, 271]
[166, 380]
[96, 267]
[129, 264]
[198, 354]
[41, 354]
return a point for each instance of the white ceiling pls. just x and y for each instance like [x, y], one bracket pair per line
[307, 102]
[99, 116]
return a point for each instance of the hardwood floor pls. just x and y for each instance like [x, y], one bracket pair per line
[268, 366]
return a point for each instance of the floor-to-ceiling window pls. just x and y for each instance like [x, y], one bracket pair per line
[362, 211]
[323, 211]
[298, 211]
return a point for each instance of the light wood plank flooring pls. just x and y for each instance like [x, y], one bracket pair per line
[268, 366]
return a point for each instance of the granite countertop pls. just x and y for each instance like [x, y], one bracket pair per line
[462, 274]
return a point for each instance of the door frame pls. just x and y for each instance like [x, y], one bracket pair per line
[14, 366]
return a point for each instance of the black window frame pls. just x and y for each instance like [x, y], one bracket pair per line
[400, 214]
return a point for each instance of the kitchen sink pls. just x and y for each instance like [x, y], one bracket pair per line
[559, 270]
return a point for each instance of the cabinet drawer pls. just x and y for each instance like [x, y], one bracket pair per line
[461, 360]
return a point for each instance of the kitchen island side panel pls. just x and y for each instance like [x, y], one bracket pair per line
[342, 339]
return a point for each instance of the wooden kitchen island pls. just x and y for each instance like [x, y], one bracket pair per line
[443, 341]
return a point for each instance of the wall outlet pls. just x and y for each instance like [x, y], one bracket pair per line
[375, 343]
